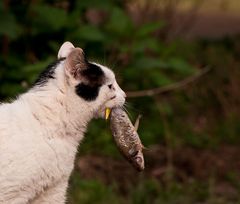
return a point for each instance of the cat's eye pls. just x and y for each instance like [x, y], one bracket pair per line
[110, 86]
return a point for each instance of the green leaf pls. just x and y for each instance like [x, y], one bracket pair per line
[33, 70]
[181, 66]
[149, 63]
[89, 33]
[11, 90]
[159, 79]
[146, 29]
[120, 23]
[148, 43]
[74, 19]
[9, 25]
[48, 18]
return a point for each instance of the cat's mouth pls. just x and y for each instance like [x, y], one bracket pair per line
[107, 113]
[105, 110]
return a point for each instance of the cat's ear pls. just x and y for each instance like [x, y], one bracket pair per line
[65, 49]
[76, 62]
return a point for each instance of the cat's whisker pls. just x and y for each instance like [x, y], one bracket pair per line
[126, 110]
[130, 106]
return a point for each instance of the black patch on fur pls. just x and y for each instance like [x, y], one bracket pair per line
[86, 92]
[94, 77]
[48, 73]
[93, 74]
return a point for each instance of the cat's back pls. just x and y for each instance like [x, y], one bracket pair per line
[17, 132]
[5, 120]
[13, 116]
[12, 128]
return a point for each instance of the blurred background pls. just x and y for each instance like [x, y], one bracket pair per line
[186, 51]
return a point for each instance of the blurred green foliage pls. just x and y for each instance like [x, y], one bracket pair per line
[203, 115]
[34, 31]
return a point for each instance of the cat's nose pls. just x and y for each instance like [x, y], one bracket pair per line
[123, 94]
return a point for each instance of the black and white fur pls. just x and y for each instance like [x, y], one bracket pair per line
[41, 130]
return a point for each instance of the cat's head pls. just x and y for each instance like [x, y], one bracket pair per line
[93, 83]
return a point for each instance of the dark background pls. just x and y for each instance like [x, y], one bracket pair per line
[191, 129]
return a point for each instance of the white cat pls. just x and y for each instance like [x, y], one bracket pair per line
[41, 130]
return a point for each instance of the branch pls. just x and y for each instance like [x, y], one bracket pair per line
[168, 88]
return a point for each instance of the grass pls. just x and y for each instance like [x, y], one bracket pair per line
[149, 191]
[91, 191]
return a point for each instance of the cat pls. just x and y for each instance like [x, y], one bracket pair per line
[40, 131]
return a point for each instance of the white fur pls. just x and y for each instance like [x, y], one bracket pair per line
[39, 136]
